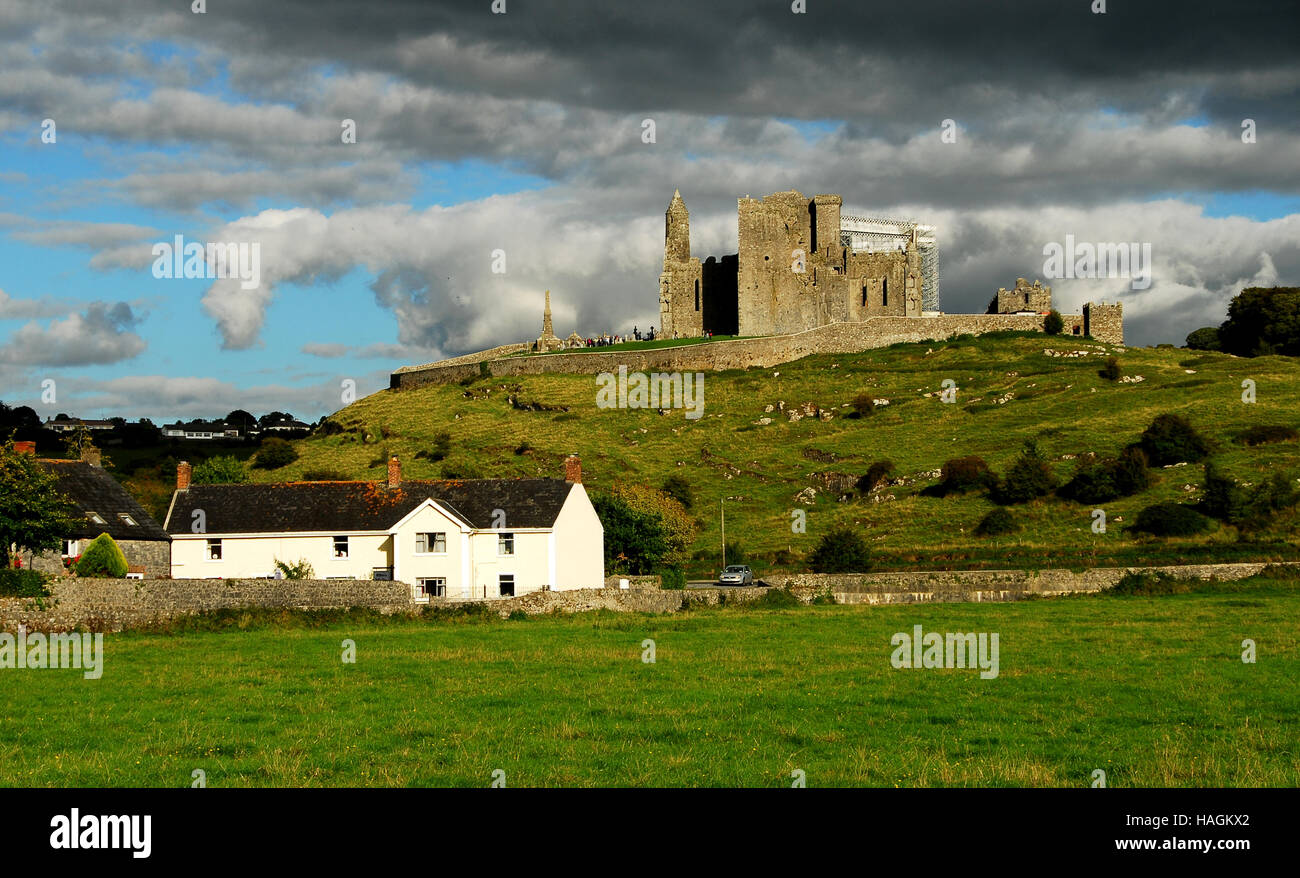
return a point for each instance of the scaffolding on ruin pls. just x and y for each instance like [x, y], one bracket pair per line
[872, 234]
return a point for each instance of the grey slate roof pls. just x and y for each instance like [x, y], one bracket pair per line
[91, 489]
[290, 507]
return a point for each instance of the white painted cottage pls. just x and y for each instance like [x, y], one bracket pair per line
[460, 538]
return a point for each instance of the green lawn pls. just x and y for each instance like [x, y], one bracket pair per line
[1151, 690]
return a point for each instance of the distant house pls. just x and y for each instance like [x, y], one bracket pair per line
[107, 508]
[68, 425]
[285, 425]
[460, 539]
[200, 430]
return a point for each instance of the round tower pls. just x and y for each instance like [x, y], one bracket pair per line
[677, 231]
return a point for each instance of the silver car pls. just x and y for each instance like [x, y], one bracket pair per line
[736, 574]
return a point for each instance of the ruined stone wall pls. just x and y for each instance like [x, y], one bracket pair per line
[1024, 297]
[836, 338]
[115, 604]
[1104, 322]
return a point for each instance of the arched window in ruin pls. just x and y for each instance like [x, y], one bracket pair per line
[864, 294]
[884, 291]
[697, 295]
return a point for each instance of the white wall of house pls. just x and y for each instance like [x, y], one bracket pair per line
[246, 556]
[580, 543]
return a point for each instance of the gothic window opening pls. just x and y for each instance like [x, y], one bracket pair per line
[697, 295]
[884, 291]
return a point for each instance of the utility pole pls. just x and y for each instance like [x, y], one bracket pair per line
[723, 510]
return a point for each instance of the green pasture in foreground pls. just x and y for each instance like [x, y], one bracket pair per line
[1151, 690]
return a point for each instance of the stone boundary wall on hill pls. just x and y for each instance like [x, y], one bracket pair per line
[451, 370]
[114, 604]
[741, 353]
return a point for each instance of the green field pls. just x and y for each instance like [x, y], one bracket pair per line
[1151, 690]
[758, 470]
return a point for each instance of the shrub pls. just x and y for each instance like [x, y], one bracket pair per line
[778, 599]
[645, 530]
[517, 616]
[16, 583]
[1171, 439]
[324, 475]
[998, 522]
[1148, 583]
[1170, 520]
[300, 569]
[1109, 479]
[672, 578]
[102, 558]
[679, 489]
[1028, 478]
[441, 448]
[840, 551]
[876, 473]
[962, 474]
[523, 447]
[1263, 434]
[274, 453]
[328, 427]
[1204, 339]
[1053, 323]
[864, 405]
[224, 470]
[1111, 371]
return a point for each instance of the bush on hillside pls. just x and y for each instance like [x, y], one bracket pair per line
[102, 558]
[1111, 371]
[1172, 439]
[878, 472]
[223, 470]
[440, 449]
[1029, 477]
[1109, 479]
[1204, 339]
[1053, 323]
[275, 453]
[1263, 434]
[1171, 520]
[864, 405]
[679, 489]
[962, 474]
[998, 522]
[324, 475]
[840, 551]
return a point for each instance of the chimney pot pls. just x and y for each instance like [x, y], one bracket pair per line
[394, 472]
[183, 470]
[25, 447]
[573, 469]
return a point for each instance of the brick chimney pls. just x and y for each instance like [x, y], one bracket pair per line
[183, 476]
[394, 472]
[25, 447]
[573, 469]
[92, 455]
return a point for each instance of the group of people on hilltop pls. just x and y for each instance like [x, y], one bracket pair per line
[606, 339]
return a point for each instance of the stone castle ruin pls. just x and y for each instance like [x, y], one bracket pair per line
[808, 278]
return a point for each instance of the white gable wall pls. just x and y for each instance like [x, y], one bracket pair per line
[580, 543]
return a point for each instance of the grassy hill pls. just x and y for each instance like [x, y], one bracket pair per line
[1009, 389]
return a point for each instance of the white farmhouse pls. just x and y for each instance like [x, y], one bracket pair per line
[460, 539]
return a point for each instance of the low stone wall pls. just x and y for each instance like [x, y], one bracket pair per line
[582, 600]
[452, 370]
[155, 556]
[741, 353]
[115, 604]
[633, 582]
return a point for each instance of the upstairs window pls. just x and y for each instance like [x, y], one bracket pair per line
[95, 517]
[431, 543]
[127, 519]
[214, 550]
[341, 547]
[505, 544]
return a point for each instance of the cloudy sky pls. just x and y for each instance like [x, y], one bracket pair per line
[125, 124]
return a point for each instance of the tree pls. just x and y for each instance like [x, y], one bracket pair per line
[1262, 320]
[272, 418]
[34, 516]
[275, 453]
[241, 420]
[1204, 339]
[679, 489]
[645, 529]
[840, 551]
[223, 470]
[1029, 477]
[103, 557]
[1053, 323]
[1171, 439]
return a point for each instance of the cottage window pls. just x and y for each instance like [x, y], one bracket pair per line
[505, 544]
[431, 544]
[214, 550]
[95, 517]
[506, 583]
[341, 546]
[71, 548]
[127, 519]
[430, 588]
